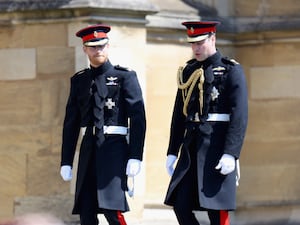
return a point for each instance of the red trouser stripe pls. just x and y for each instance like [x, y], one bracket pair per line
[224, 217]
[121, 218]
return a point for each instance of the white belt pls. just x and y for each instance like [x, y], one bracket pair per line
[109, 130]
[115, 130]
[218, 117]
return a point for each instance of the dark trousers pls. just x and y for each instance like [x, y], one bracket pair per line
[113, 217]
[187, 200]
[186, 204]
[216, 217]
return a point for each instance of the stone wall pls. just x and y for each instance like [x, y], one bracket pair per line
[269, 162]
[35, 66]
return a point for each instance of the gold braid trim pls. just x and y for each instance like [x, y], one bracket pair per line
[188, 87]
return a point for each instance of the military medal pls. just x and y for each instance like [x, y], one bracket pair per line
[109, 103]
[214, 93]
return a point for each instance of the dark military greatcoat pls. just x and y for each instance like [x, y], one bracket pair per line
[202, 143]
[123, 106]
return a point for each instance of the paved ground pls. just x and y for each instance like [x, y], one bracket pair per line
[280, 215]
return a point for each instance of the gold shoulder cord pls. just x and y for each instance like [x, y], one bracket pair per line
[188, 87]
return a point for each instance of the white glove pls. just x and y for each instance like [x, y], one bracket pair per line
[170, 164]
[66, 173]
[133, 167]
[226, 164]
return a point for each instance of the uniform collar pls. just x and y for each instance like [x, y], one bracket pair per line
[96, 71]
[208, 61]
[211, 59]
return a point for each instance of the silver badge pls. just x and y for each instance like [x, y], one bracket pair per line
[110, 103]
[112, 81]
[214, 93]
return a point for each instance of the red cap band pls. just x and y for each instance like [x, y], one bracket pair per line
[95, 35]
[200, 31]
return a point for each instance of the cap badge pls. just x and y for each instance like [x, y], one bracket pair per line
[95, 34]
[192, 30]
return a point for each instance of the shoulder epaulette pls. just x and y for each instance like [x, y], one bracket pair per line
[118, 67]
[81, 72]
[230, 61]
[234, 61]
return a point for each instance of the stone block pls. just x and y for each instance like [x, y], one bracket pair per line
[55, 61]
[262, 8]
[41, 35]
[13, 173]
[56, 137]
[286, 54]
[73, 40]
[33, 35]
[247, 8]
[20, 103]
[13, 179]
[267, 184]
[274, 82]
[54, 94]
[273, 120]
[279, 214]
[81, 60]
[258, 55]
[264, 152]
[35, 102]
[6, 206]
[17, 64]
[11, 37]
[57, 205]
[276, 8]
[25, 139]
[44, 174]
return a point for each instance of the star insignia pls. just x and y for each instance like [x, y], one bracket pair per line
[214, 93]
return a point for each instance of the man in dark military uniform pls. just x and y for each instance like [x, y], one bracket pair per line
[106, 101]
[208, 127]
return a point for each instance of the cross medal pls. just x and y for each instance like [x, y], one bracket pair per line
[109, 103]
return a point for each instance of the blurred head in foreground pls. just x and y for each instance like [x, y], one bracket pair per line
[33, 219]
